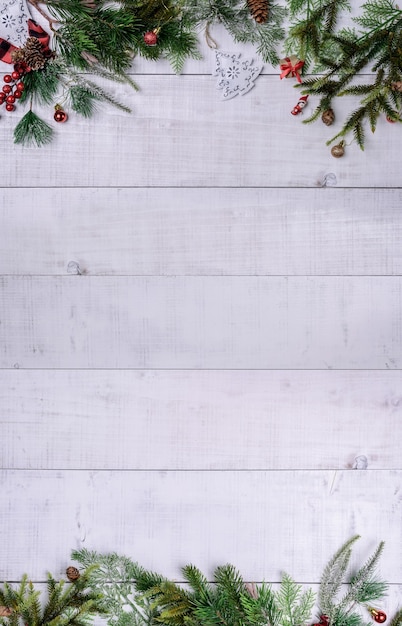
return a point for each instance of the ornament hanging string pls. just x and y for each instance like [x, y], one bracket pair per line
[209, 39]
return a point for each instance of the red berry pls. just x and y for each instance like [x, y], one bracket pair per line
[10, 99]
[7, 78]
[17, 93]
[10, 107]
[16, 75]
[2, 97]
[7, 89]
[20, 86]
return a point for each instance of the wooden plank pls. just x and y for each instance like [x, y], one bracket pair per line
[181, 134]
[201, 322]
[201, 231]
[200, 420]
[263, 522]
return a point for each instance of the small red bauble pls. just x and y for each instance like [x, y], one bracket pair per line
[15, 75]
[10, 99]
[378, 616]
[7, 78]
[7, 89]
[2, 97]
[10, 107]
[20, 86]
[60, 116]
[151, 38]
[17, 93]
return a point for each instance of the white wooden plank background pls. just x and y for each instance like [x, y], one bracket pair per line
[202, 322]
[145, 231]
[267, 522]
[200, 420]
[201, 392]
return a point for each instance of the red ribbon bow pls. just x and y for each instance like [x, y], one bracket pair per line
[290, 67]
[34, 30]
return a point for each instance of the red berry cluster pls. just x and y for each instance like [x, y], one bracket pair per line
[12, 89]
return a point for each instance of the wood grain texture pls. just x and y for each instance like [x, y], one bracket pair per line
[264, 522]
[200, 419]
[201, 322]
[201, 231]
[181, 134]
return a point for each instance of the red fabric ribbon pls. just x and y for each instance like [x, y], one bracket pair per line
[34, 30]
[290, 67]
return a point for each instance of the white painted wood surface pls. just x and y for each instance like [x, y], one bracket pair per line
[202, 322]
[201, 392]
[267, 522]
[200, 420]
[242, 231]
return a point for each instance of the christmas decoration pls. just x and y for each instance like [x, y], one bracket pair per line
[328, 117]
[65, 604]
[236, 76]
[151, 38]
[134, 596]
[259, 10]
[340, 55]
[338, 150]
[378, 616]
[300, 105]
[60, 115]
[81, 40]
[291, 66]
[72, 573]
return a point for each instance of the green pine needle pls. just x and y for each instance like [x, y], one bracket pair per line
[31, 130]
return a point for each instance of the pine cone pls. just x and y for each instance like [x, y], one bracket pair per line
[72, 573]
[259, 10]
[397, 86]
[328, 117]
[33, 52]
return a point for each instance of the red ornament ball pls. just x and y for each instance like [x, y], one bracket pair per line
[60, 116]
[7, 78]
[378, 616]
[150, 38]
[15, 75]
[10, 107]
[7, 89]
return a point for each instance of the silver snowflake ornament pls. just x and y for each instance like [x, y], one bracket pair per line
[235, 76]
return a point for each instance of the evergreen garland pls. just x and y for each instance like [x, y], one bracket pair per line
[99, 38]
[134, 596]
[66, 604]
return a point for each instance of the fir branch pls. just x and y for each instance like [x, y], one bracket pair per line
[31, 130]
[295, 606]
[334, 571]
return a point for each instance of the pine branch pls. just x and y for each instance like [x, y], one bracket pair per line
[32, 131]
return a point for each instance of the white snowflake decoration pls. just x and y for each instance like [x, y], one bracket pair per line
[236, 77]
[14, 15]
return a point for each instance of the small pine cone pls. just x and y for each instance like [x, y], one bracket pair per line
[259, 10]
[397, 86]
[5, 611]
[72, 573]
[18, 56]
[34, 56]
[328, 117]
